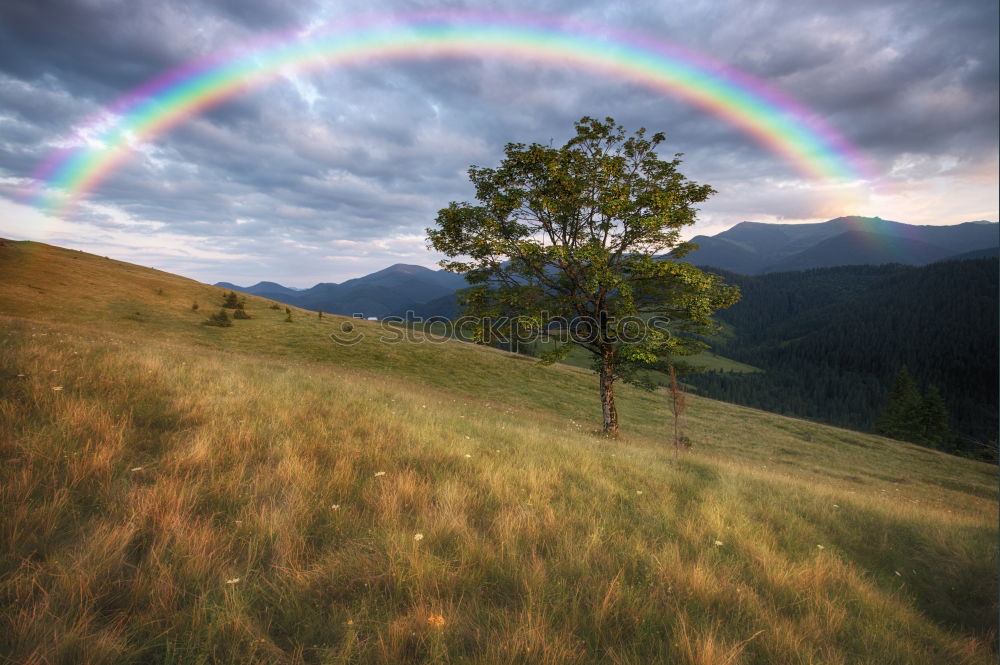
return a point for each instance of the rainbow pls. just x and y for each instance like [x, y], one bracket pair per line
[770, 117]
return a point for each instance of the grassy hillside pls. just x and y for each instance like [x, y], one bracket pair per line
[176, 493]
[704, 361]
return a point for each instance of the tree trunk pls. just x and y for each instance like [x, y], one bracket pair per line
[608, 393]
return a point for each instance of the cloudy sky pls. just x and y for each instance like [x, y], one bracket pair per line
[334, 173]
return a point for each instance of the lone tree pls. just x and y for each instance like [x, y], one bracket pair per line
[572, 238]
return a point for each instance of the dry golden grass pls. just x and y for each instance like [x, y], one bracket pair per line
[259, 495]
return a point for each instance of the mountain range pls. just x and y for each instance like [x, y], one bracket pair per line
[749, 248]
[379, 294]
[752, 248]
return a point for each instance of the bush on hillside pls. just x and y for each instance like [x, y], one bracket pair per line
[221, 320]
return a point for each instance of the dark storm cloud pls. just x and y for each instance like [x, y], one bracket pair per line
[90, 48]
[893, 77]
[876, 71]
[113, 45]
[373, 149]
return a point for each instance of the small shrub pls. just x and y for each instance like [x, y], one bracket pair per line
[321, 314]
[232, 300]
[194, 307]
[221, 320]
[288, 316]
[678, 405]
[240, 313]
[160, 292]
[275, 305]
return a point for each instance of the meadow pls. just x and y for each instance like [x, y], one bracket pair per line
[179, 493]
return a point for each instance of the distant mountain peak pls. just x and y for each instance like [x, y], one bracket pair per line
[403, 269]
[755, 247]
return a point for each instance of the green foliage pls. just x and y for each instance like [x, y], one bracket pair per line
[232, 300]
[220, 319]
[288, 315]
[572, 234]
[276, 306]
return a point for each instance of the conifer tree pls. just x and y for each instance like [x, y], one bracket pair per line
[932, 417]
[899, 416]
[240, 312]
